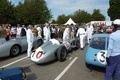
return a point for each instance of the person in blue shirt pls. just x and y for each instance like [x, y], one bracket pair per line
[113, 54]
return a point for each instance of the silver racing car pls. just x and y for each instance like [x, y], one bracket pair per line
[15, 46]
[54, 49]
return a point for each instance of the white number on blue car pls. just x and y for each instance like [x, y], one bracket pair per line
[101, 56]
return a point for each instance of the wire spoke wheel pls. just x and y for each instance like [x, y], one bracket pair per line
[14, 50]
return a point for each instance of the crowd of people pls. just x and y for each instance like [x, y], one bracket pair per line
[47, 32]
[55, 31]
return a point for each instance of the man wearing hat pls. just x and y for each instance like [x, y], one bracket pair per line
[113, 54]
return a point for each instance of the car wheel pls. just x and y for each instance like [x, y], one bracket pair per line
[88, 65]
[61, 54]
[77, 44]
[15, 50]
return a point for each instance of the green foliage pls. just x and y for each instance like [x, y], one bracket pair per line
[29, 12]
[6, 12]
[33, 12]
[61, 19]
[114, 11]
[54, 21]
[81, 16]
[37, 12]
[97, 16]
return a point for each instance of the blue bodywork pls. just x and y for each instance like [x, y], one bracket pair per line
[97, 49]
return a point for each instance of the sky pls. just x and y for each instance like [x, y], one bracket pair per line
[67, 7]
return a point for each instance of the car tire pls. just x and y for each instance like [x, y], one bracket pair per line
[15, 50]
[88, 65]
[62, 54]
[77, 44]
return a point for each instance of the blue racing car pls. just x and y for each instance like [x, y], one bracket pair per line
[97, 50]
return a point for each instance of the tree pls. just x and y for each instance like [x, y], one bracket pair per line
[81, 16]
[114, 11]
[97, 16]
[6, 12]
[33, 12]
[54, 21]
[61, 19]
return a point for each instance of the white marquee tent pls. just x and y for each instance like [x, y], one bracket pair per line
[69, 22]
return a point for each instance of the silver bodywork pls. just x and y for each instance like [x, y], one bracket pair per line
[50, 50]
[5, 46]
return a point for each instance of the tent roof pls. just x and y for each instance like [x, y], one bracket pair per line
[69, 22]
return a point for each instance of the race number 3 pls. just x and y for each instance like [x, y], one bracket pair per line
[101, 56]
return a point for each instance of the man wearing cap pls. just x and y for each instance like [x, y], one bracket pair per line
[113, 54]
[30, 39]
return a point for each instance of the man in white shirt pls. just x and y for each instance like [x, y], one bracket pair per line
[46, 32]
[81, 33]
[18, 30]
[89, 32]
[66, 33]
[53, 31]
[39, 31]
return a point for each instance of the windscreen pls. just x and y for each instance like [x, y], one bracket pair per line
[98, 43]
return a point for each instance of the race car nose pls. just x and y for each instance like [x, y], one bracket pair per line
[37, 54]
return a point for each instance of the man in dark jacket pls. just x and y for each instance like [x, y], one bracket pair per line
[23, 31]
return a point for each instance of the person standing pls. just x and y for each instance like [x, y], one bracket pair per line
[59, 32]
[23, 31]
[3, 32]
[18, 30]
[35, 31]
[46, 32]
[53, 31]
[30, 39]
[13, 32]
[89, 32]
[39, 31]
[8, 33]
[72, 31]
[113, 54]
[81, 33]
[66, 33]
